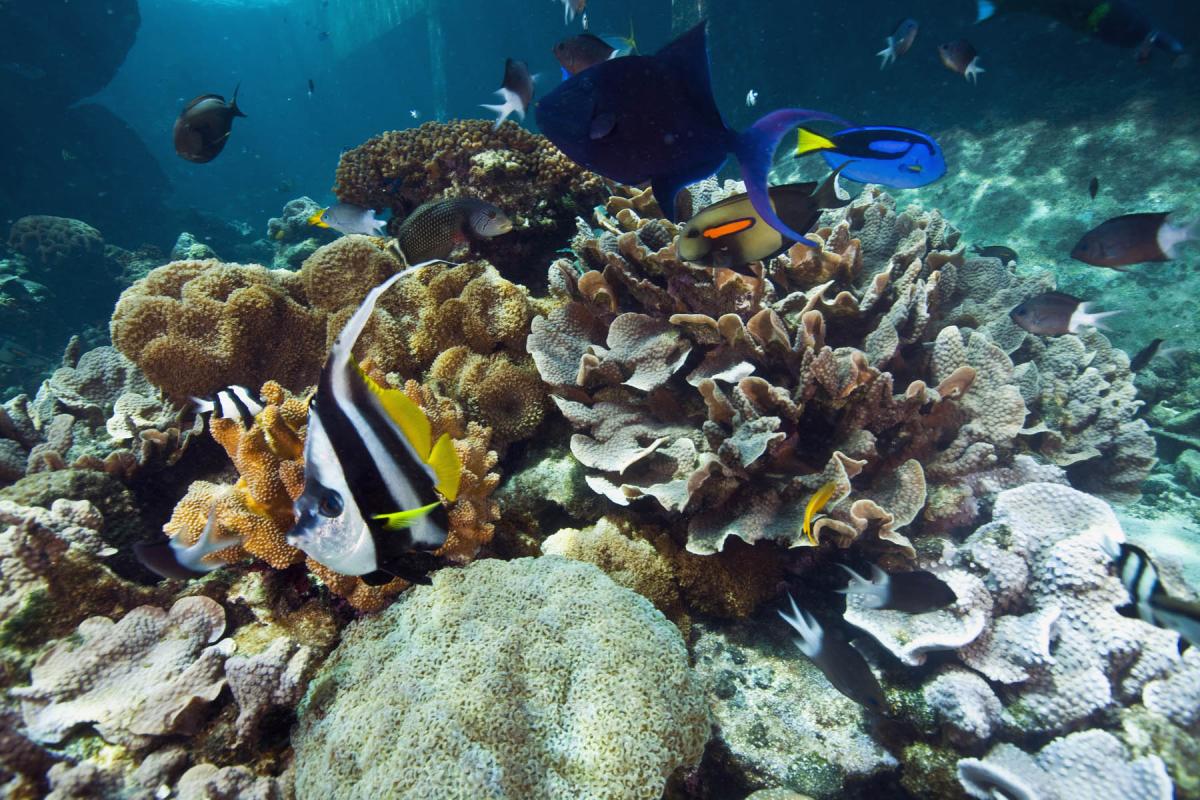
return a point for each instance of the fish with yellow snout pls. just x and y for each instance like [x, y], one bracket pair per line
[730, 233]
[374, 479]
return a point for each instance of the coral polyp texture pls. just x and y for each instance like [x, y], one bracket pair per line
[522, 173]
[883, 363]
[269, 457]
[196, 327]
[532, 678]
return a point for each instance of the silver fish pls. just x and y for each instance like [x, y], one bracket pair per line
[348, 218]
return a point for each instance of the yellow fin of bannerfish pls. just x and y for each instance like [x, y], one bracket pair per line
[318, 219]
[807, 142]
[405, 413]
[441, 455]
[402, 519]
[447, 467]
[815, 504]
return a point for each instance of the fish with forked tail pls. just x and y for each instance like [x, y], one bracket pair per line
[843, 666]
[899, 42]
[915, 592]
[960, 56]
[434, 229]
[374, 479]
[348, 218]
[1056, 314]
[516, 91]
[729, 233]
[176, 560]
[204, 126]
[1134, 239]
[653, 119]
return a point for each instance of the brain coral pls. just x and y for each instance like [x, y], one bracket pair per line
[53, 243]
[523, 173]
[533, 678]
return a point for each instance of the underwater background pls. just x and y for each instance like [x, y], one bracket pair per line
[651, 474]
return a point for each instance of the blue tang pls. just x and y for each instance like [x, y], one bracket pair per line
[653, 118]
[899, 158]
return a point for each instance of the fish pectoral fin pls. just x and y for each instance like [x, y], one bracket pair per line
[407, 415]
[399, 520]
[602, 125]
[447, 467]
[809, 142]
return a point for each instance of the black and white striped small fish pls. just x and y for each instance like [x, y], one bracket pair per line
[233, 402]
[1150, 599]
[843, 666]
[374, 480]
[915, 592]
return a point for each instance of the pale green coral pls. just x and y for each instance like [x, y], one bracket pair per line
[533, 678]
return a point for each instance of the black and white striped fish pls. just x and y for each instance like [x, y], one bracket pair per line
[233, 402]
[374, 480]
[1150, 599]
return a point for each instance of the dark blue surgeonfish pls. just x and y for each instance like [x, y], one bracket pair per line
[1116, 22]
[653, 119]
[899, 158]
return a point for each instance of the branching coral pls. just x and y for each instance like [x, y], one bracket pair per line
[537, 186]
[269, 457]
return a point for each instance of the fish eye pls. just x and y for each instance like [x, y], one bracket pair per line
[491, 215]
[331, 504]
[693, 233]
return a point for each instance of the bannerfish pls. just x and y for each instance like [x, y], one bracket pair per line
[348, 218]
[1133, 239]
[516, 91]
[204, 125]
[233, 402]
[900, 158]
[1006, 254]
[653, 119]
[434, 229]
[844, 667]
[960, 56]
[571, 8]
[1094, 187]
[1055, 314]
[1116, 22]
[1145, 355]
[1149, 598]
[577, 53]
[899, 42]
[815, 503]
[173, 559]
[374, 479]
[729, 233]
[914, 592]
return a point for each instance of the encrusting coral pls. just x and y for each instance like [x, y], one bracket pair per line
[141, 677]
[269, 457]
[539, 188]
[532, 678]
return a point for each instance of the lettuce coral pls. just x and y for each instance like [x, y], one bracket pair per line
[532, 678]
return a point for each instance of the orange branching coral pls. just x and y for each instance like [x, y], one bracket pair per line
[269, 457]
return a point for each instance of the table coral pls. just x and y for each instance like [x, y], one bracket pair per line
[533, 678]
[147, 675]
[539, 188]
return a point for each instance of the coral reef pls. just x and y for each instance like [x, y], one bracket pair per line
[461, 328]
[294, 239]
[532, 678]
[729, 399]
[539, 188]
[141, 677]
[97, 412]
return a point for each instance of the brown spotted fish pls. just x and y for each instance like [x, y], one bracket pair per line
[435, 228]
